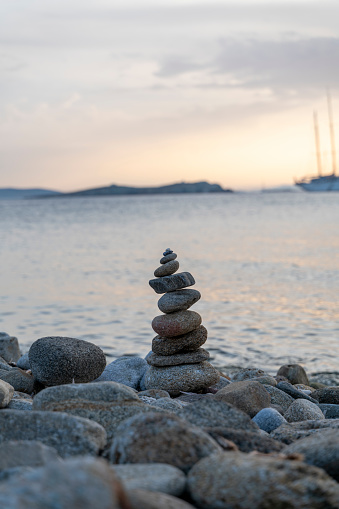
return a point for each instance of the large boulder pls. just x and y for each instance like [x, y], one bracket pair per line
[60, 360]
[248, 396]
[243, 481]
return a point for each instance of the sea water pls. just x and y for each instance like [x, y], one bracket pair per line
[267, 267]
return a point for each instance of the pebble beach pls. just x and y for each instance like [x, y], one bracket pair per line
[170, 430]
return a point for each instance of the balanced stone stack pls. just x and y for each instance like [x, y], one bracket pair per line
[177, 363]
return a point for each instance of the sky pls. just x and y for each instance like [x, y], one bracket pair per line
[145, 92]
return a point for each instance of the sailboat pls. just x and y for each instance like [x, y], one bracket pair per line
[322, 182]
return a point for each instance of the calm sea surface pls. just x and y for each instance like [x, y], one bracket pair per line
[267, 267]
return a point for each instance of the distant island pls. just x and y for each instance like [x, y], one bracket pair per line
[114, 190]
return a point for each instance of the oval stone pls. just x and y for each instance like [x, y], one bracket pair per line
[180, 358]
[178, 300]
[59, 360]
[168, 258]
[185, 343]
[167, 270]
[172, 283]
[176, 324]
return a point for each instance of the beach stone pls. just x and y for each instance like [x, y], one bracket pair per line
[209, 412]
[172, 283]
[251, 397]
[223, 382]
[303, 410]
[269, 419]
[265, 380]
[329, 411]
[245, 440]
[23, 362]
[4, 366]
[6, 393]
[76, 483]
[186, 378]
[151, 476]
[9, 347]
[125, 370]
[25, 453]
[288, 433]
[20, 380]
[168, 258]
[178, 300]
[154, 393]
[244, 481]
[176, 324]
[20, 404]
[176, 359]
[294, 373]
[167, 269]
[160, 438]
[107, 403]
[168, 404]
[69, 435]
[186, 343]
[247, 374]
[186, 398]
[328, 395]
[279, 397]
[60, 360]
[320, 450]
[292, 391]
[142, 499]
[328, 379]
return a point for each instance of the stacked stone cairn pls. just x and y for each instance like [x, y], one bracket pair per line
[177, 361]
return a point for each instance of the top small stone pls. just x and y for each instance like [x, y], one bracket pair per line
[168, 258]
[167, 252]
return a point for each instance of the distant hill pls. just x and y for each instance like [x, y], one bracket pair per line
[182, 187]
[12, 193]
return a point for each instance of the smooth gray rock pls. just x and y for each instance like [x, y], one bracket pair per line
[248, 395]
[151, 476]
[247, 374]
[168, 258]
[20, 404]
[60, 360]
[167, 269]
[172, 283]
[177, 359]
[77, 483]
[223, 382]
[244, 481]
[209, 412]
[160, 438]
[187, 378]
[6, 393]
[265, 380]
[107, 403]
[329, 395]
[4, 366]
[303, 410]
[20, 380]
[320, 450]
[288, 433]
[154, 393]
[143, 499]
[330, 379]
[178, 300]
[329, 411]
[246, 441]
[176, 324]
[9, 347]
[25, 453]
[23, 362]
[69, 435]
[292, 391]
[294, 373]
[279, 397]
[125, 370]
[186, 343]
[168, 404]
[269, 419]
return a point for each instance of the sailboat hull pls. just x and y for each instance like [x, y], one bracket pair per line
[321, 184]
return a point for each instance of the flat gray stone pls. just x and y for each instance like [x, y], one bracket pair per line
[20, 404]
[303, 410]
[6, 393]
[125, 370]
[178, 300]
[269, 419]
[25, 453]
[187, 378]
[329, 411]
[23, 362]
[245, 440]
[69, 435]
[77, 483]
[20, 380]
[154, 393]
[185, 343]
[151, 476]
[168, 258]
[288, 433]
[265, 380]
[176, 324]
[279, 397]
[172, 283]
[243, 481]
[60, 360]
[160, 438]
[167, 269]
[292, 391]
[328, 395]
[177, 359]
[168, 404]
[247, 374]
[9, 347]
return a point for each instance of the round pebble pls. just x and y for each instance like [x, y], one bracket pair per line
[168, 258]
[168, 269]
[180, 358]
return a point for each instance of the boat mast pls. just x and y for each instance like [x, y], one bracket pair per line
[317, 143]
[329, 104]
